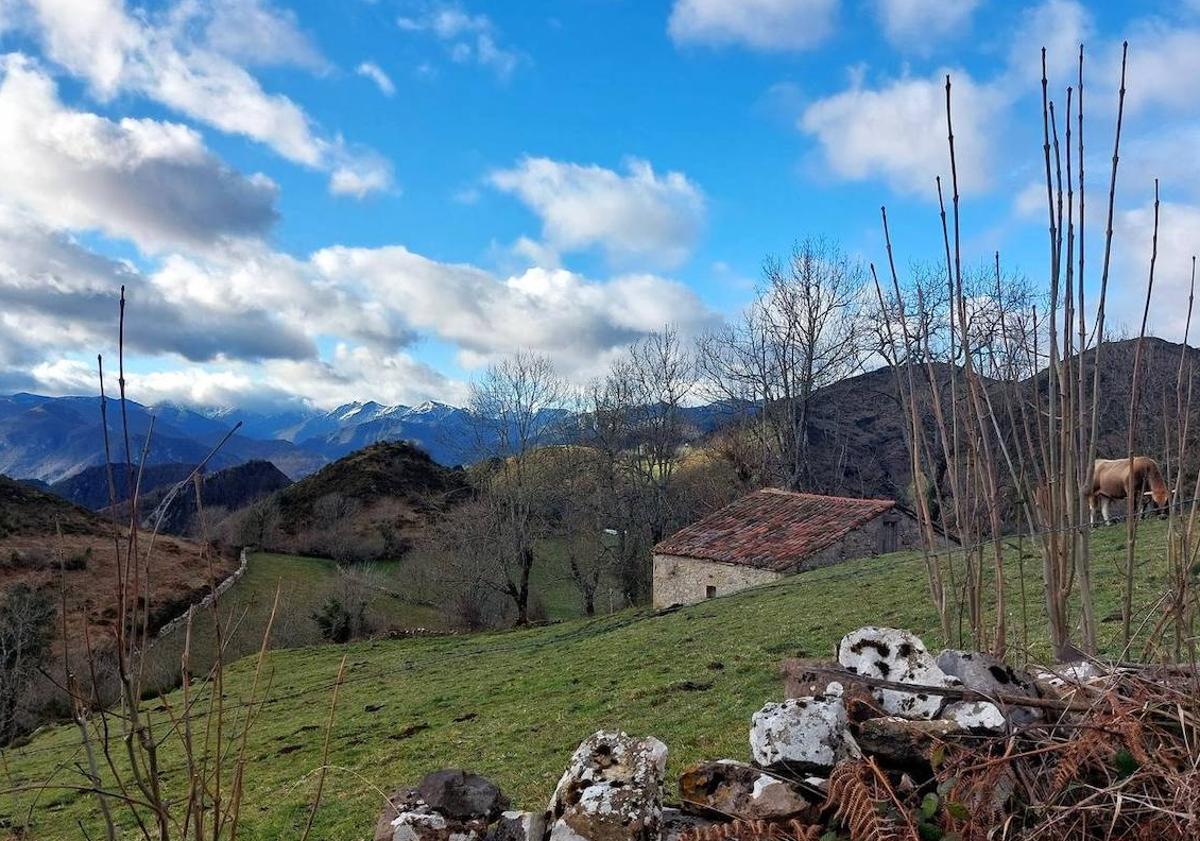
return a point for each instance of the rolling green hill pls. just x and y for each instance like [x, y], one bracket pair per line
[514, 705]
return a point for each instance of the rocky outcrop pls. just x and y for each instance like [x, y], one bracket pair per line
[903, 743]
[518, 826]
[611, 791]
[462, 795]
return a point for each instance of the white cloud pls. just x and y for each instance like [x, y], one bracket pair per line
[914, 25]
[256, 33]
[1030, 201]
[360, 373]
[350, 373]
[148, 181]
[536, 253]
[375, 73]
[468, 38]
[897, 132]
[577, 320]
[1164, 62]
[1058, 25]
[116, 53]
[1178, 241]
[51, 286]
[360, 174]
[760, 24]
[638, 215]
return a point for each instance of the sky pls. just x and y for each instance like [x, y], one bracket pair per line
[338, 200]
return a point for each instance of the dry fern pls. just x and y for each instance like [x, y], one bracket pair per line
[741, 830]
[862, 799]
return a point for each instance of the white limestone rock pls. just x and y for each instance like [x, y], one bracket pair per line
[976, 715]
[421, 823]
[611, 791]
[900, 656]
[808, 734]
[993, 677]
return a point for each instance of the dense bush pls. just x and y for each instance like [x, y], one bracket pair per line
[341, 622]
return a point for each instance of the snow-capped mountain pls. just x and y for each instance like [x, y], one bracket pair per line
[51, 438]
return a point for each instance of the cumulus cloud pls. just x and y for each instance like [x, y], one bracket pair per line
[897, 131]
[1178, 242]
[914, 25]
[243, 306]
[116, 52]
[775, 25]
[555, 311]
[50, 286]
[636, 215]
[359, 173]
[149, 181]
[1164, 62]
[358, 373]
[375, 73]
[468, 38]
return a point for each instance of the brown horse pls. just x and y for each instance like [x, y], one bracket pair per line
[1122, 478]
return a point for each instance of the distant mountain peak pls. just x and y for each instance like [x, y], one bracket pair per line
[429, 406]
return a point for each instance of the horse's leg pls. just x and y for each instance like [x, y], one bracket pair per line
[1091, 499]
[1104, 510]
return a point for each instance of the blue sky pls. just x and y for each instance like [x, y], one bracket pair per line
[325, 201]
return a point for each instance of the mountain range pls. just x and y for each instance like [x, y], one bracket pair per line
[52, 439]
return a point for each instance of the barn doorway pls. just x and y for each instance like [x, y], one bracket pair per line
[710, 591]
[889, 538]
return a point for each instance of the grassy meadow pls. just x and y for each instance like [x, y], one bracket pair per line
[513, 705]
[304, 583]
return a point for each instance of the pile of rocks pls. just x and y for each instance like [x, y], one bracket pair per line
[862, 706]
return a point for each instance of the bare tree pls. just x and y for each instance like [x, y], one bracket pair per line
[806, 329]
[258, 523]
[585, 511]
[517, 408]
[636, 426]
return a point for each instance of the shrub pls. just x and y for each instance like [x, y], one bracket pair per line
[78, 560]
[341, 623]
[26, 630]
[31, 559]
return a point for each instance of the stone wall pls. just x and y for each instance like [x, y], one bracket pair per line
[686, 580]
[869, 540]
[179, 621]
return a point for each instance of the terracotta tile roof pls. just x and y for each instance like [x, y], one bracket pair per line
[772, 529]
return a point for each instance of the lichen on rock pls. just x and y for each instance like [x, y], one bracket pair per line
[804, 734]
[611, 791]
[898, 656]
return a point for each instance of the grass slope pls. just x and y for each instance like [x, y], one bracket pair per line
[514, 705]
[304, 584]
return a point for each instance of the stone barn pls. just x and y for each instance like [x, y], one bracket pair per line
[772, 533]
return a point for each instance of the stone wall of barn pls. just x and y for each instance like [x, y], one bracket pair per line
[679, 580]
[893, 531]
[688, 580]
